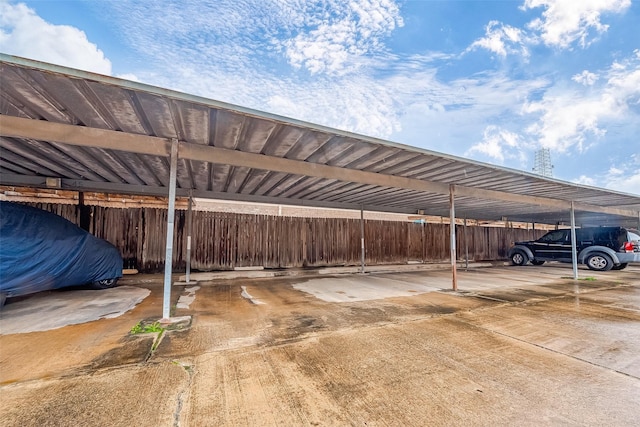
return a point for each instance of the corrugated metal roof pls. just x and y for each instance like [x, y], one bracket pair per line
[292, 162]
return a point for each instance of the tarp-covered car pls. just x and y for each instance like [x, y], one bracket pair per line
[40, 250]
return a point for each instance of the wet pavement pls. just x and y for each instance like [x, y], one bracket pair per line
[514, 346]
[52, 310]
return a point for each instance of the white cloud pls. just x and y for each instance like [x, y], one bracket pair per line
[585, 78]
[568, 118]
[498, 144]
[23, 33]
[615, 171]
[450, 116]
[502, 39]
[321, 36]
[623, 176]
[585, 180]
[565, 21]
[624, 81]
[627, 184]
[562, 23]
[353, 29]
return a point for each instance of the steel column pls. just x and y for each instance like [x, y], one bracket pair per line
[362, 239]
[574, 251]
[452, 227]
[466, 246]
[168, 259]
[189, 224]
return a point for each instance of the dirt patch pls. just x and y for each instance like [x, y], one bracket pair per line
[134, 349]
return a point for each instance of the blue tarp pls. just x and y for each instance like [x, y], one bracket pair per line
[40, 250]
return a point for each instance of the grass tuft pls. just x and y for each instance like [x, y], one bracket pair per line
[139, 328]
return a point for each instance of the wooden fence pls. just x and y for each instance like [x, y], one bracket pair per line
[222, 241]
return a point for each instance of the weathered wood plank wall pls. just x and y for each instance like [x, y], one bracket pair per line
[222, 241]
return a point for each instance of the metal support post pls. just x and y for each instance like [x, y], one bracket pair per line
[189, 225]
[574, 251]
[452, 227]
[362, 239]
[168, 259]
[466, 247]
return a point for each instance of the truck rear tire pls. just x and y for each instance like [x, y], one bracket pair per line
[599, 261]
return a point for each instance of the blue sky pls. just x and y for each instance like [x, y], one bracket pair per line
[492, 81]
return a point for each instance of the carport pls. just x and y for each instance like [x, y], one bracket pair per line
[70, 129]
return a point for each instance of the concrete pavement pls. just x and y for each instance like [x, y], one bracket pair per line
[515, 346]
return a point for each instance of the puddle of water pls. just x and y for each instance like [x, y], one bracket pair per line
[360, 289]
[186, 300]
[246, 295]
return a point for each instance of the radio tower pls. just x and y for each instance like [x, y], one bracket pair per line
[542, 163]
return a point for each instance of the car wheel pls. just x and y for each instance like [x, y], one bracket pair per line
[620, 266]
[518, 258]
[599, 262]
[104, 283]
[536, 262]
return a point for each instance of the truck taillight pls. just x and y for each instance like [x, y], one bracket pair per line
[628, 247]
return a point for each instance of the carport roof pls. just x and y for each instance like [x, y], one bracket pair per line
[98, 133]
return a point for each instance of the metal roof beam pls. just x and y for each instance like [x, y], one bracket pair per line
[8, 179]
[41, 130]
[108, 139]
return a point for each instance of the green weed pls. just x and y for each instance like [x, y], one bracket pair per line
[139, 328]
